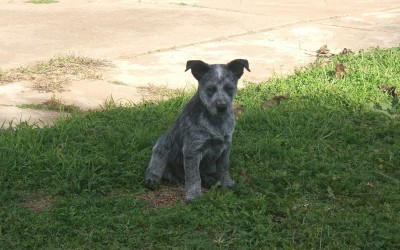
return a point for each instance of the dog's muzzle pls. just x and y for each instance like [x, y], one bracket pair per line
[221, 106]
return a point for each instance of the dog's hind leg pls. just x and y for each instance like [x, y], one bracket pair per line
[157, 165]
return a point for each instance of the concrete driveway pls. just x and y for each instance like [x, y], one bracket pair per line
[148, 42]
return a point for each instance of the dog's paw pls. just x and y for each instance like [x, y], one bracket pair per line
[192, 192]
[152, 181]
[230, 184]
[152, 184]
[189, 201]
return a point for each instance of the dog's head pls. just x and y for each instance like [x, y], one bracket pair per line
[218, 83]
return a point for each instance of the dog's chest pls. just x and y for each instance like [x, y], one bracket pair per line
[218, 135]
[213, 147]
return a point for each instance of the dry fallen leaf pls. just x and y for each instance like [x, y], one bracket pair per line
[275, 100]
[324, 51]
[370, 185]
[245, 175]
[269, 103]
[391, 90]
[239, 109]
[340, 70]
[47, 103]
[282, 97]
[346, 51]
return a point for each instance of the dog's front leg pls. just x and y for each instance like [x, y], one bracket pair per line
[157, 164]
[191, 162]
[223, 169]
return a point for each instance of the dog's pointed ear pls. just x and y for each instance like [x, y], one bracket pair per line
[199, 68]
[237, 66]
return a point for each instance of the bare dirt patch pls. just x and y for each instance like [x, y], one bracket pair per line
[37, 202]
[165, 196]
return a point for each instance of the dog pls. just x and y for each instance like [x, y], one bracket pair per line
[196, 148]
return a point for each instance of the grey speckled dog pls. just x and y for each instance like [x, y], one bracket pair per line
[196, 148]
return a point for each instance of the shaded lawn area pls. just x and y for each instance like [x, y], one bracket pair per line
[319, 167]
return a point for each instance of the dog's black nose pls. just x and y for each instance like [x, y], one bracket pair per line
[221, 107]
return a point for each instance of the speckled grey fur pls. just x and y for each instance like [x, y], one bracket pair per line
[196, 148]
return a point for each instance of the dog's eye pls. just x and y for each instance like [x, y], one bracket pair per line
[211, 90]
[228, 89]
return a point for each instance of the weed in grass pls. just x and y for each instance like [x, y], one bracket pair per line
[2, 74]
[319, 170]
[53, 104]
[117, 82]
[110, 103]
[157, 93]
[42, 1]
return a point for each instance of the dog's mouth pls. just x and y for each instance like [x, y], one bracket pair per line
[222, 110]
[221, 107]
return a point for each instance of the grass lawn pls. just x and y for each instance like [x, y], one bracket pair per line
[316, 159]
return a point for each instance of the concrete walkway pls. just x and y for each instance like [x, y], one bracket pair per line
[149, 42]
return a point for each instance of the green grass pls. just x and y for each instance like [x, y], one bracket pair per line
[317, 171]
